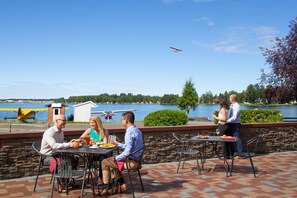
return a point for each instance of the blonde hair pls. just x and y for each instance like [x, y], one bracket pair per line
[99, 125]
[234, 97]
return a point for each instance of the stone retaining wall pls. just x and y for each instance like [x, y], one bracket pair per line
[18, 159]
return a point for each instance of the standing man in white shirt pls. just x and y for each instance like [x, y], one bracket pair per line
[234, 120]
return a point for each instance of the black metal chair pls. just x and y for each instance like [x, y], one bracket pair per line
[251, 148]
[186, 151]
[128, 169]
[64, 172]
[41, 157]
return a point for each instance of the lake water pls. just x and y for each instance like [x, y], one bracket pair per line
[142, 110]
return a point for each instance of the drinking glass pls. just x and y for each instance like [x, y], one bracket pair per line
[217, 131]
[111, 138]
[88, 139]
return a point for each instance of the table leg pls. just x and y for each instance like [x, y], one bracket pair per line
[226, 163]
[203, 156]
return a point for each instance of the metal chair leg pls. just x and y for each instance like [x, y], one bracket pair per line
[252, 164]
[140, 180]
[37, 176]
[52, 190]
[52, 178]
[178, 163]
[83, 185]
[198, 166]
[128, 170]
[184, 161]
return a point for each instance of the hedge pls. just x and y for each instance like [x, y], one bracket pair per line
[258, 116]
[166, 118]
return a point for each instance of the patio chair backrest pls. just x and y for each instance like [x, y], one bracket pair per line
[183, 143]
[252, 144]
[141, 156]
[36, 146]
[65, 165]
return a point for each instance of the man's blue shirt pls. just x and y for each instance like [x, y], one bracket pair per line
[234, 115]
[133, 141]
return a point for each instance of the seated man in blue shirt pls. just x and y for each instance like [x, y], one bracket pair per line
[133, 142]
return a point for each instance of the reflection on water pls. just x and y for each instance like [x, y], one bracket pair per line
[142, 110]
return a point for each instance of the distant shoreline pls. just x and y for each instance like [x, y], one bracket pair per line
[242, 104]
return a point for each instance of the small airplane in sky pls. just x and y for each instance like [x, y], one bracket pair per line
[108, 114]
[24, 113]
[175, 49]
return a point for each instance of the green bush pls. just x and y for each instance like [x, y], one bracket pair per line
[166, 118]
[258, 116]
[217, 114]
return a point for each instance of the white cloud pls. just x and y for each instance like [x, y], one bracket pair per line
[221, 46]
[242, 40]
[30, 89]
[208, 21]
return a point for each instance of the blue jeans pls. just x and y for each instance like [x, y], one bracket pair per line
[235, 128]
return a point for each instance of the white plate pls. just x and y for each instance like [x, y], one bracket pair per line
[94, 146]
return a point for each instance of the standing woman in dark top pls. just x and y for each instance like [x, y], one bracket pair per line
[224, 128]
[222, 117]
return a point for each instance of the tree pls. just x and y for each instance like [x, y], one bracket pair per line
[283, 60]
[250, 94]
[189, 98]
[60, 100]
[171, 99]
[255, 93]
[261, 93]
[207, 98]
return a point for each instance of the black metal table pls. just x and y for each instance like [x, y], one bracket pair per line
[215, 139]
[87, 153]
[85, 149]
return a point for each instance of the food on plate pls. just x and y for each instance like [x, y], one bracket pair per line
[76, 144]
[107, 145]
[93, 142]
[94, 146]
[202, 136]
[227, 137]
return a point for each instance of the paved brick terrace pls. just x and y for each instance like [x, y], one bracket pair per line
[278, 178]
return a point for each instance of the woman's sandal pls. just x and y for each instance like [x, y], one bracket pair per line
[122, 188]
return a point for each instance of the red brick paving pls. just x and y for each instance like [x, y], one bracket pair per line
[277, 178]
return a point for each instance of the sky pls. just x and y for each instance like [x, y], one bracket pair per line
[63, 48]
